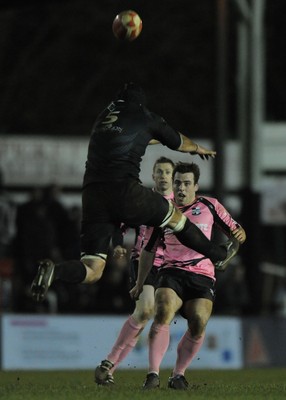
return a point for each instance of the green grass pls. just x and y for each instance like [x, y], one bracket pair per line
[245, 384]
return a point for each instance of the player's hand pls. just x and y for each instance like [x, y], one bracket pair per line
[136, 291]
[203, 152]
[239, 234]
[119, 252]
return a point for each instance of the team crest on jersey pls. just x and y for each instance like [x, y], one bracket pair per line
[196, 211]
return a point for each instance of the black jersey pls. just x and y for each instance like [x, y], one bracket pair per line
[119, 139]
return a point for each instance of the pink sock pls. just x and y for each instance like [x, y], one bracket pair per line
[159, 338]
[124, 353]
[186, 351]
[125, 341]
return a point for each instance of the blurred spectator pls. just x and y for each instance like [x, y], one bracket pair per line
[44, 230]
[7, 233]
[7, 220]
[65, 224]
[47, 229]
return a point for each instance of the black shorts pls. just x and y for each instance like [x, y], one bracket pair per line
[107, 204]
[151, 277]
[187, 285]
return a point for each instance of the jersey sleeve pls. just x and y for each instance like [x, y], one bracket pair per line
[163, 132]
[222, 218]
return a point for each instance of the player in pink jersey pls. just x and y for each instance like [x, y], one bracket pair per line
[144, 309]
[186, 280]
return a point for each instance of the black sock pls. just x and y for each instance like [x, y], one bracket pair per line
[191, 236]
[72, 271]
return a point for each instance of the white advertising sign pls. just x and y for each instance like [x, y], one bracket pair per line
[41, 160]
[40, 342]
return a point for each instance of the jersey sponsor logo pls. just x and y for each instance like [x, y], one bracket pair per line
[203, 227]
[196, 211]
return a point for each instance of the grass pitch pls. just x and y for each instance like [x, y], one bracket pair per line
[245, 384]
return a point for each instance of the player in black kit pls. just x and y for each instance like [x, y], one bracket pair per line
[112, 192]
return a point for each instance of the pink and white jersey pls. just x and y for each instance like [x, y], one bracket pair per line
[140, 239]
[205, 212]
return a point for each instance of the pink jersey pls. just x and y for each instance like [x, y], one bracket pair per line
[140, 239]
[205, 212]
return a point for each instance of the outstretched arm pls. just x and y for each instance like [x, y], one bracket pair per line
[189, 146]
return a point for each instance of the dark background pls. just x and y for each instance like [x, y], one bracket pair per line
[60, 63]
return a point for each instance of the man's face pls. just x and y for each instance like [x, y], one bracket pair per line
[184, 188]
[162, 176]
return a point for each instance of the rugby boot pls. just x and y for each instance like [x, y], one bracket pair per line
[109, 381]
[178, 382]
[232, 247]
[152, 381]
[43, 280]
[102, 374]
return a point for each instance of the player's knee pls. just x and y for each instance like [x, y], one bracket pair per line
[164, 312]
[197, 325]
[143, 313]
[180, 224]
[95, 265]
[148, 312]
[174, 219]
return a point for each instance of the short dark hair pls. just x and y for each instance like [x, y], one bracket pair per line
[184, 168]
[163, 160]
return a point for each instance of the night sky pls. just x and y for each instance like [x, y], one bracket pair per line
[60, 63]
